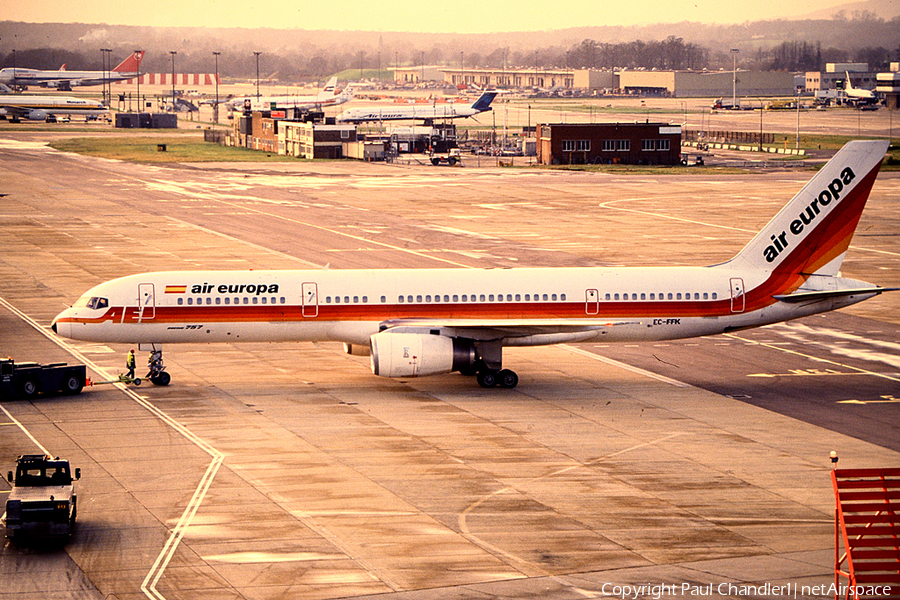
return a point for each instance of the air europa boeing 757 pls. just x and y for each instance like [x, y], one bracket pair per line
[417, 322]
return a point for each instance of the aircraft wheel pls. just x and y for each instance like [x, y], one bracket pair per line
[508, 379]
[162, 378]
[435, 161]
[487, 379]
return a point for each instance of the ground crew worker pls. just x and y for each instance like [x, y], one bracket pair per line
[129, 362]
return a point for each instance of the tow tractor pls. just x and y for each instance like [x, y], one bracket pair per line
[42, 501]
[156, 375]
[28, 379]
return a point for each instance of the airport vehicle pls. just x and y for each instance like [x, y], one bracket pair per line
[412, 112]
[64, 80]
[450, 157]
[29, 379]
[416, 322]
[42, 501]
[327, 97]
[40, 108]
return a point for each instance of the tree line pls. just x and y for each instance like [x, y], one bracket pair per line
[317, 64]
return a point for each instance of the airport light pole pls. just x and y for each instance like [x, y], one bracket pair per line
[216, 106]
[107, 87]
[173, 53]
[256, 54]
[734, 53]
[138, 79]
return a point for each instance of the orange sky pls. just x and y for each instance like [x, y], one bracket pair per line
[448, 16]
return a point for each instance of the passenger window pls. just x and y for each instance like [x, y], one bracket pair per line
[399, 299]
[456, 298]
[481, 297]
[553, 297]
[562, 297]
[616, 296]
[218, 300]
[545, 297]
[180, 301]
[652, 296]
[337, 299]
[527, 297]
[255, 300]
[384, 299]
[490, 297]
[418, 298]
[670, 295]
[518, 297]
[714, 295]
[428, 298]
[705, 296]
[678, 296]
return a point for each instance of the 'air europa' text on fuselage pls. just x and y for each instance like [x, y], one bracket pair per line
[236, 288]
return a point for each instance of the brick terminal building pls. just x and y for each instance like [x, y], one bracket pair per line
[608, 143]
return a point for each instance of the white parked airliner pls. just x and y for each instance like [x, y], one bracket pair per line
[417, 322]
[418, 112]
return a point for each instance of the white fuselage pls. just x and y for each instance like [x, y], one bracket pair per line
[520, 306]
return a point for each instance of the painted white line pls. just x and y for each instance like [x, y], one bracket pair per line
[627, 367]
[28, 433]
[148, 587]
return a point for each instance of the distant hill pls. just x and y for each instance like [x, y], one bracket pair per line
[314, 55]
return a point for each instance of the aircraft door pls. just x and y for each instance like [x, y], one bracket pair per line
[738, 301]
[310, 300]
[591, 302]
[146, 302]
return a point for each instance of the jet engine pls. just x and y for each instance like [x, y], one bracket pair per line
[418, 354]
[36, 114]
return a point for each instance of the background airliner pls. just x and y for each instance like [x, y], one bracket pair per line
[422, 112]
[417, 322]
[858, 94]
[64, 80]
[327, 97]
[38, 108]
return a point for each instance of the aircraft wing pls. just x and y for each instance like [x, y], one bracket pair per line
[492, 329]
[13, 110]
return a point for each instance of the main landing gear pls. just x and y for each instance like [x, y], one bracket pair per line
[504, 378]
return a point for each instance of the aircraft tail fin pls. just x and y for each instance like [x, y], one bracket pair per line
[330, 86]
[811, 234]
[484, 102]
[132, 64]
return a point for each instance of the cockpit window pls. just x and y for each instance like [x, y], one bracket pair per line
[96, 302]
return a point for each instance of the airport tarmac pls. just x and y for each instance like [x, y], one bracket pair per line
[290, 471]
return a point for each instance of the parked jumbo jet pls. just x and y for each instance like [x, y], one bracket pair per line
[411, 112]
[38, 108]
[417, 322]
[64, 80]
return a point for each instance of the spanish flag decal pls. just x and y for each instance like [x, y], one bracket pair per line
[176, 289]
